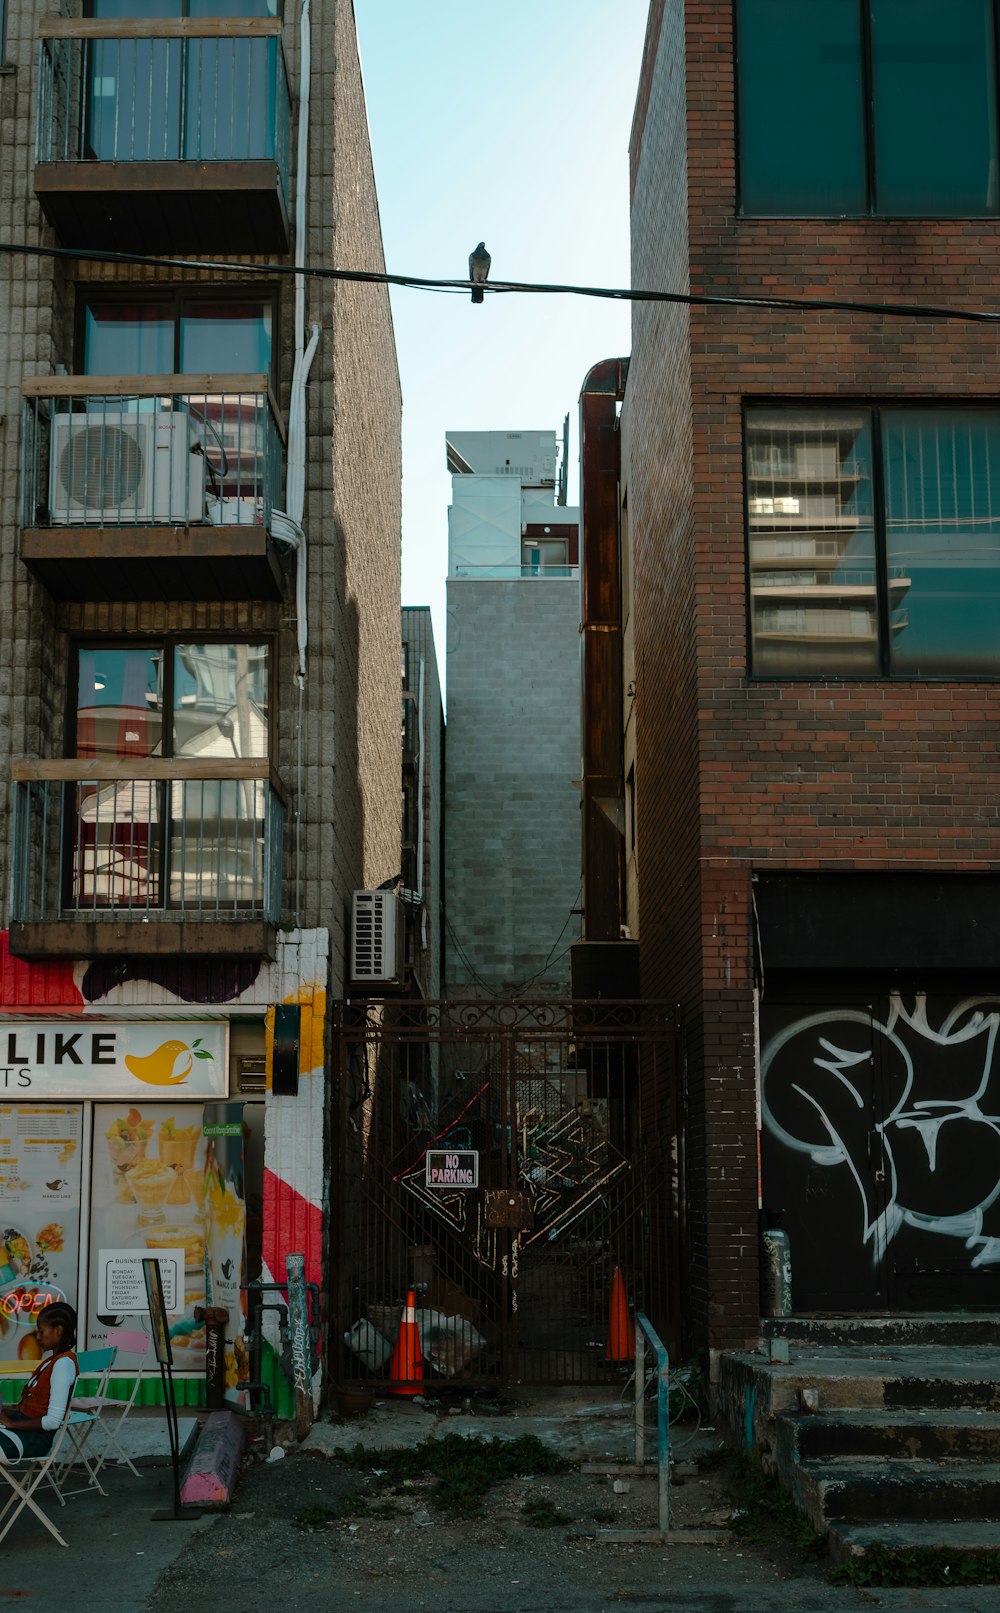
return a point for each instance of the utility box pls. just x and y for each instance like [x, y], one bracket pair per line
[376, 940]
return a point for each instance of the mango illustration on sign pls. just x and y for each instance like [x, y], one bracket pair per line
[168, 1065]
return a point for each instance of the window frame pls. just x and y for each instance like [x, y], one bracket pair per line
[873, 407]
[174, 299]
[165, 643]
[871, 211]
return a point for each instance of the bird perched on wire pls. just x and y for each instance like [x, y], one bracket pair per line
[479, 268]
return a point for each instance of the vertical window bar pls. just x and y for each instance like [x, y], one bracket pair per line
[868, 102]
[881, 561]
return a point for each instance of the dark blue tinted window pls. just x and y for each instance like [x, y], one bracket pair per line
[801, 123]
[934, 106]
[941, 472]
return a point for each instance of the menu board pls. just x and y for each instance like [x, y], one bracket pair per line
[148, 1196]
[40, 1176]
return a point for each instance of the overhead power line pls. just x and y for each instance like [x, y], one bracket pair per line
[495, 288]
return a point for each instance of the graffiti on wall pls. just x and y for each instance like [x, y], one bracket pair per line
[909, 1106]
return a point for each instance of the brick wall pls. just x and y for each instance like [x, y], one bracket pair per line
[733, 774]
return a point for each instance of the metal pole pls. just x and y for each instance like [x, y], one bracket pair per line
[298, 1322]
[640, 1385]
[663, 1439]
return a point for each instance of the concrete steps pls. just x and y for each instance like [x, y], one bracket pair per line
[865, 1490]
[881, 1439]
[851, 1540]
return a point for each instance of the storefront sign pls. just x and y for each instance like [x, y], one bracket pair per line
[121, 1286]
[452, 1167]
[108, 1059]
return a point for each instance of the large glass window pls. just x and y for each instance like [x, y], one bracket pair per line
[865, 563]
[185, 335]
[139, 841]
[800, 105]
[163, 99]
[867, 106]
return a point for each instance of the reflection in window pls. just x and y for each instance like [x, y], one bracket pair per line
[904, 583]
[942, 528]
[220, 700]
[811, 128]
[201, 839]
[813, 594]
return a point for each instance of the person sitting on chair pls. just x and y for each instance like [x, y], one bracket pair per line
[46, 1395]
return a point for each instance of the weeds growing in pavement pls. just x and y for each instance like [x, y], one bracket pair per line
[463, 1470]
[542, 1514]
[919, 1565]
[766, 1514]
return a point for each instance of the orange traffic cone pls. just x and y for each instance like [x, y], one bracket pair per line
[406, 1369]
[621, 1330]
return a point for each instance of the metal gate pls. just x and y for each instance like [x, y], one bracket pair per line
[503, 1160]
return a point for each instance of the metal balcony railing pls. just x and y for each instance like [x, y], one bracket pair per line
[150, 450]
[164, 90]
[146, 838]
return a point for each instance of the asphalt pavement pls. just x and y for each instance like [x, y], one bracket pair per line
[308, 1532]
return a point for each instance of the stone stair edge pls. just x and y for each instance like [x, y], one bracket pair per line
[848, 1541]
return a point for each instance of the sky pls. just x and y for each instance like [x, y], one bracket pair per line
[508, 124]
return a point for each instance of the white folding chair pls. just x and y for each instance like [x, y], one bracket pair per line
[112, 1412]
[84, 1414]
[25, 1473]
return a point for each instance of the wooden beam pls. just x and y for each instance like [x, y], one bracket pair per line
[141, 386]
[139, 769]
[161, 28]
[154, 934]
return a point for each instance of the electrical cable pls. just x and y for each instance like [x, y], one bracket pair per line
[693, 299]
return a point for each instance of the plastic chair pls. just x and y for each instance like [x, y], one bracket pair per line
[25, 1473]
[84, 1414]
[111, 1412]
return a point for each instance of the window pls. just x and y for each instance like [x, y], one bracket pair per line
[874, 542]
[850, 107]
[158, 99]
[197, 839]
[234, 433]
[176, 335]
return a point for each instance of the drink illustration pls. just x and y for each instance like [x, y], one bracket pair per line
[127, 1139]
[177, 1147]
[150, 1183]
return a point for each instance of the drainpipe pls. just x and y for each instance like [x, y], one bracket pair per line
[286, 525]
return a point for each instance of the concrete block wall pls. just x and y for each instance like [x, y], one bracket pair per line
[512, 814]
[349, 715]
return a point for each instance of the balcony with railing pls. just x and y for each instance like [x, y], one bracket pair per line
[151, 487]
[164, 135]
[162, 856]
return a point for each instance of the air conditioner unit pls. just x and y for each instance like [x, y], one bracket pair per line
[376, 939]
[122, 467]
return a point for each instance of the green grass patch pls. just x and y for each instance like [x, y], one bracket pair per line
[765, 1513]
[919, 1565]
[542, 1514]
[312, 1519]
[462, 1471]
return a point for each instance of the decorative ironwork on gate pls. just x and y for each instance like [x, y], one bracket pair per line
[503, 1160]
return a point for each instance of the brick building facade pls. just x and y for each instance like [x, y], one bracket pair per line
[199, 667]
[813, 676]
